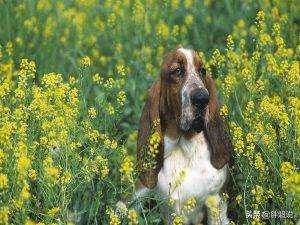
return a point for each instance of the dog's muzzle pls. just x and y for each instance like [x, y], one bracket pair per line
[199, 99]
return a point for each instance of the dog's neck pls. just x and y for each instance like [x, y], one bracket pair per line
[188, 147]
[174, 137]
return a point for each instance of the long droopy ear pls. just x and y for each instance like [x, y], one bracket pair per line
[150, 139]
[216, 130]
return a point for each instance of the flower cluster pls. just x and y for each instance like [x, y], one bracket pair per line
[259, 88]
[50, 142]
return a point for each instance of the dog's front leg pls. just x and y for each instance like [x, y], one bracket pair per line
[216, 210]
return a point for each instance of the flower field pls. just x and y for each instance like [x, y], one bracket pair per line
[73, 80]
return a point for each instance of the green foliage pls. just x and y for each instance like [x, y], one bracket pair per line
[73, 79]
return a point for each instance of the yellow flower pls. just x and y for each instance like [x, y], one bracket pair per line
[265, 39]
[92, 112]
[32, 174]
[52, 79]
[238, 199]
[286, 169]
[257, 221]
[121, 69]
[230, 43]
[113, 144]
[9, 48]
[109, 83]
[97, 78]
[3, 181]
[259, 163]
[93, 135]
[133, 136]
[121, 97]
[189, 204]
[260, 85]
[178, 220]
[212, 203]
[260, 18]
[52, 212]
[66, 177]
[179, 178]
[127, 168]
[22, 164]
[102, 165]
[29, 222]
[111, 20]
[258, 194]
[174, 33]
[217, 59]
[132, 217]
[25, 194]
[225, 196]
[291, 184]
[154, 143]
[188, 3]
[237, 138]
[4, 215]
[229, 83]
[162, 30]
[113, 217]
[189, 19]
[51, 172]
[43, 5]
[224, 111]
[110, 109]
[85, 61]
[27, 67]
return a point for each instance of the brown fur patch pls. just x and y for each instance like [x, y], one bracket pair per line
[150, 114]
[216, 130]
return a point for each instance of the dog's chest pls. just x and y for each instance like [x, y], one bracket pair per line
[187, 170]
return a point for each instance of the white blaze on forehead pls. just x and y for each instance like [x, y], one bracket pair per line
[189, 59]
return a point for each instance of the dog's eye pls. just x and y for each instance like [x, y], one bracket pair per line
[202, 72]
[178, 71]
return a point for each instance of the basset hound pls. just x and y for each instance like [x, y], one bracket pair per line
[193, 150]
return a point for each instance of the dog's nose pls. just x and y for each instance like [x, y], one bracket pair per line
[200, 97]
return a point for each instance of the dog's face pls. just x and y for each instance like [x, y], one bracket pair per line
[185, 91]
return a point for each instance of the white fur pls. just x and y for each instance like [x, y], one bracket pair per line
[201, 179]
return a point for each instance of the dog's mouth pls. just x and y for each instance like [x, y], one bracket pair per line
[198, 124]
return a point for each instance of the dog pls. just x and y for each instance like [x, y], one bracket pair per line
[181, 134]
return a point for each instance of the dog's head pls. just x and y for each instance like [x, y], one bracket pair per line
[184, 89]
[184, 101]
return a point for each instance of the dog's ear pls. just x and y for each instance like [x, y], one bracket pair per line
[216, 130]
[150, 139]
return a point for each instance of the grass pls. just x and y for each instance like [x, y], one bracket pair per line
[73, 78]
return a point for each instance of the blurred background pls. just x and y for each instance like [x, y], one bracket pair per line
[107, 54]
